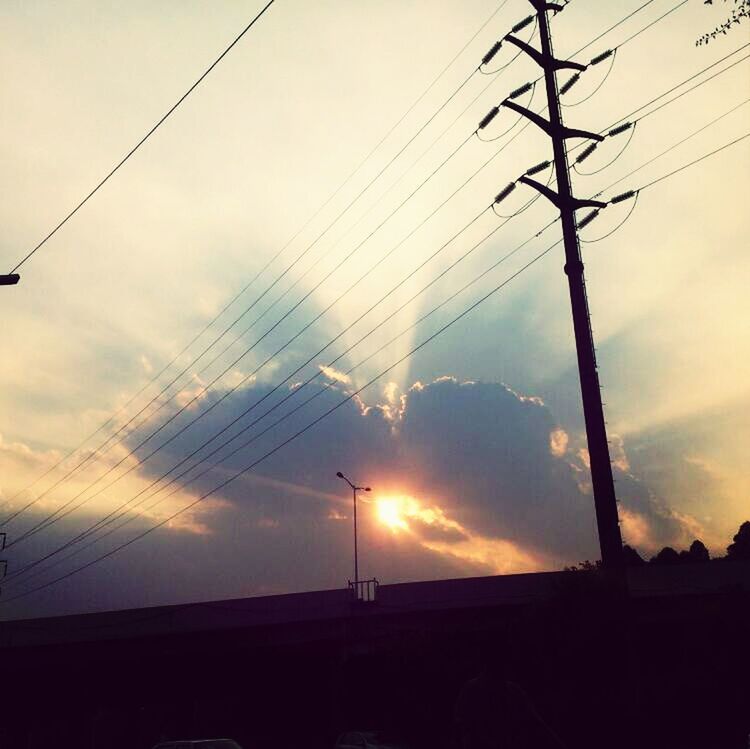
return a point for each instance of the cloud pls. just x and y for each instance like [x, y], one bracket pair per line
[469, 462]
[335, 375]
[468, 478]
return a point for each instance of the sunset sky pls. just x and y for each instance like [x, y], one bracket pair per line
[474, 446]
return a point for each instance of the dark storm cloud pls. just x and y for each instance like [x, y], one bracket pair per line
[479, 451]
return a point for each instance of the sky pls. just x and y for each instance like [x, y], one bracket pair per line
[474, 445]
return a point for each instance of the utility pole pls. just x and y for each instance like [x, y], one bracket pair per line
[605, 502]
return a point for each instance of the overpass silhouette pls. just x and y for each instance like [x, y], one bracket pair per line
[292, 670]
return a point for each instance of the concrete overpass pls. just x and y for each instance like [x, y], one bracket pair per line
[293, 670]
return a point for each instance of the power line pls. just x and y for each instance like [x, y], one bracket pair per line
[271, 261]
[55, 516]
[687, 80]
[644, 187]
[43, 523]
[692, 163]
[283, 444]
[631, 37]
[301, 367]
[673, 146]
[612, 28]
[331, 197]
[40, 525]
[130, 517]
[352, 395]
[92, 455]
[122, 161]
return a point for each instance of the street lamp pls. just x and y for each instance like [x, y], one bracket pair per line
[355, 489]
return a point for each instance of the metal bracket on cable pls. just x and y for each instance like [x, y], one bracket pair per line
[565, 132]
[554, 198]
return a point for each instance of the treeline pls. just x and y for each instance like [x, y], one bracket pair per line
[697, 552]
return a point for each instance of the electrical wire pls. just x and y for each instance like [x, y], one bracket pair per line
[636, 34]
[596, 90]
[292, 394]
[91, 455]
[415, 103]
[612, 28]
[270, 262]
[103, 181]
[611, 161]
[692, 163]
[612, 231]
[61, 511]
[44, 523]
[295, 436]
[664, 177]
[682, 83]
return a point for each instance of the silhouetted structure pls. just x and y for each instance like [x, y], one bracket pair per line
[605, 503]
[297, 670]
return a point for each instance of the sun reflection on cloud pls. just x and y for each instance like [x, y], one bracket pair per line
[432, 528]
[405, 513]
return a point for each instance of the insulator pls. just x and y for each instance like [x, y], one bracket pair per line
[520, 90]
[505, 192]
[623, 196]
[570, 83]
[586, 152]
[538, 168]
[620, 129]
[601, 57]
[488, 118]
[493, 50]
[522, 24]
[588, 218]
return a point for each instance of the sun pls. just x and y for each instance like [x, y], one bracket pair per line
[390, 511]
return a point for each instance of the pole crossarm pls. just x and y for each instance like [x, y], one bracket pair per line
[9, 279]
[542, 60]
[550, 128]
[556, 199]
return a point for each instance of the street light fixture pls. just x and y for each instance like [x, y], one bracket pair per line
[355, 489]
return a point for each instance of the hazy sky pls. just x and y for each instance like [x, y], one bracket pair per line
[474, 446]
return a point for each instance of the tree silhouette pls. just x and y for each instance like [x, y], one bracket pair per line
[697, 553]
[631, 557]
[740, 11]
[740, 548]
[666, 556]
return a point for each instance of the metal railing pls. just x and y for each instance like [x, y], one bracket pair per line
[364, 591]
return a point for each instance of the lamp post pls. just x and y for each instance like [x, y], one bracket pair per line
[355, 489]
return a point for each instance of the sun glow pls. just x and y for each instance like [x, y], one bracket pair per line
[391, 512]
